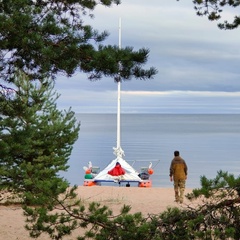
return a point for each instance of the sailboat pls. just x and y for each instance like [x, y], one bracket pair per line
[118, 170]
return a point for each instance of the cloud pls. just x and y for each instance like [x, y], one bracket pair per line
[182, 93]
[198, 64]
[153, 102]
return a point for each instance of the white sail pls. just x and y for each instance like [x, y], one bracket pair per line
[131, 175]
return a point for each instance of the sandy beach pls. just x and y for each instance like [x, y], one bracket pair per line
[145, 200]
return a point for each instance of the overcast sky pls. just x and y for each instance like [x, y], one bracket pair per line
[198, 64]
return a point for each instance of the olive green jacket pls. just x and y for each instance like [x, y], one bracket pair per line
[178, 169]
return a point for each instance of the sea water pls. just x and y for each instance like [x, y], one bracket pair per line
[208, 143]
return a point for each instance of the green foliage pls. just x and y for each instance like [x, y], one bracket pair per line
[118, 63]
[222, 186]
[220, 206]
[214, 9]
[36, 141]
[38, 40]
[44, 38]
[100, 223]
[215, 217]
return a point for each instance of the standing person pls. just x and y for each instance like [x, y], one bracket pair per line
[178, 174]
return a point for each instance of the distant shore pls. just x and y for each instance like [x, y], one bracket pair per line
[145, 200]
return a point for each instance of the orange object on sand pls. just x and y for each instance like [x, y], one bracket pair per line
[145, 184]
[89, 183]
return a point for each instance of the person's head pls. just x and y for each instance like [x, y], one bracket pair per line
[176, 153]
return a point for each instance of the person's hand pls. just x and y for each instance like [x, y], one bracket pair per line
[171, 179]
[186, 177]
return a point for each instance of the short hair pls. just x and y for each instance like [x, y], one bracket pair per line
[176, 153]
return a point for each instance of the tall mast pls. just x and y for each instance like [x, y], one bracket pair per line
[119, 95]
[118, 150]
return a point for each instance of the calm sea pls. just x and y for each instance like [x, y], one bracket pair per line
[208, 143]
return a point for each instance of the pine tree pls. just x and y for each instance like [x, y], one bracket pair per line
[43, 38]
[214, 9]
[36, 140]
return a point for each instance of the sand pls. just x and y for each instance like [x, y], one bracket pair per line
[145, 200]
